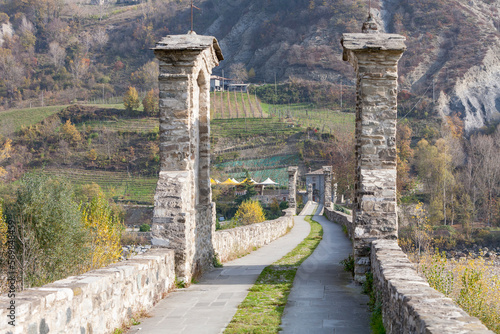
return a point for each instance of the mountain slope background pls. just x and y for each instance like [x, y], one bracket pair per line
[451, 61]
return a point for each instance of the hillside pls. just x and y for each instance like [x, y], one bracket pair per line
[55, 51]
[119, 150]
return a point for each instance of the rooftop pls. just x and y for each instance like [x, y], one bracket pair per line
[190, 41]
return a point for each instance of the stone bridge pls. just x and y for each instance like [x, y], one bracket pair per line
[184, 224]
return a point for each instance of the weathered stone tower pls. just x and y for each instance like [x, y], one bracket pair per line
[292, 188]
[183, 216]
[375, 57]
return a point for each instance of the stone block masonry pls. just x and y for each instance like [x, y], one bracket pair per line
[232, 243]
[409, 304]
[327, 196]
[96, 302]
[374, 57]
[292, 188]
[183, 217]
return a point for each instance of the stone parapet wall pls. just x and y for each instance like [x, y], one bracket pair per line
[340, 218]
[409, 304]
[232, 243]
[96, 302]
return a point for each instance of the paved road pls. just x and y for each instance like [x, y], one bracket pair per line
[323, 298]
[208, 306]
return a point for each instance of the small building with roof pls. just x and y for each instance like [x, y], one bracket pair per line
[317, 180]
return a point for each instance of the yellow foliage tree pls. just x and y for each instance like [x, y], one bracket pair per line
[5, 154]
[92, 155]
[131, 99]
[104, 230]
[3, 232]
[150, 103]
[250, 212]
[71, 132]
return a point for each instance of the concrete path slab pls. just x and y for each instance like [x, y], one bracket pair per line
[208, 306]
[324, 298]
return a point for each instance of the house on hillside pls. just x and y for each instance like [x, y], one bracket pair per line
[238, 87]
[218, 84]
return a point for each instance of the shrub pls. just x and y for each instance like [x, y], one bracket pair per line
[472, 284]
[70, 132]
[249, 212]
[104, 230]
[51, 240]
[145, 228]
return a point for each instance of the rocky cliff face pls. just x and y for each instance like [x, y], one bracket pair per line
[452, 54]
[476, 96]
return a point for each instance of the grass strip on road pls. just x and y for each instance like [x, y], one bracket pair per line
[263, 307]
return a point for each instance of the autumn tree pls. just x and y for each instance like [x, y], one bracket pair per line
[3, 233]
[79, 67]
[151, 103]
[70, 132]
[484, 164]
[104, 231]
[404, 154]
[131, 99]
[249, 212]
[92, 155]
[11, 72]
[5, 152]
[435, 170]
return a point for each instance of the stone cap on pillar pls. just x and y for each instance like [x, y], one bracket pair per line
[292, 170]
[362, 42]
[189, 42]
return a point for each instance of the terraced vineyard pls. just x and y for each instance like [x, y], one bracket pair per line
[235, 105]
[119, 185]
[307, 115]
[135, 124]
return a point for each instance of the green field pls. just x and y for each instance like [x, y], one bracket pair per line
[119, 185]
[12, 120]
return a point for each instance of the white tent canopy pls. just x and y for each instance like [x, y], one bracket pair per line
[268, 182]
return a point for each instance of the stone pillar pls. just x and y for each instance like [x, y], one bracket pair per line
[292, 188]
[327, 199]
[183, 213]
[374, 57]
[309, 192]
[335, 187]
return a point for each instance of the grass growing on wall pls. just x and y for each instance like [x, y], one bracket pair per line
[263, 307]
